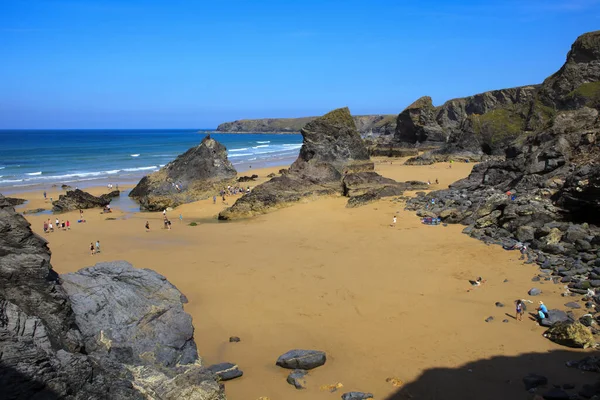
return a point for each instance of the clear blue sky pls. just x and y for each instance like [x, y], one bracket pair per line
[194, 64]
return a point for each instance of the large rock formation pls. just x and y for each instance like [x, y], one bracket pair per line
[332, 153]
[368, 125]
[194, 175]
[547, 191]
[50, 350]
[79, 200]
[487, 123]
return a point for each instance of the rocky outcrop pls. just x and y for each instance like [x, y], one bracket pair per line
[572, 334]
[79, 200]
[487, 123]
[332, 152]
[197, 174]
[13, 201]
[368, 125]
[49, 351]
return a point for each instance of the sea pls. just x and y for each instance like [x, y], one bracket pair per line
[83, 158]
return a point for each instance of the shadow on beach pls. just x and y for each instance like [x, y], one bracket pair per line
[499, 378]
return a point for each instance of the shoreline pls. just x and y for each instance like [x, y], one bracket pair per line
[382, 301]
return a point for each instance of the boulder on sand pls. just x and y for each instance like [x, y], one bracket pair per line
[79, 200]
[302, 359]
[296, 378]
[357, 396]
[197, 174]
[572, 334]
[226, 371]
[332, 151]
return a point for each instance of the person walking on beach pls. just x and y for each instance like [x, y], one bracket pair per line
[523, 252]
[180, 218]
[45, 226]
[214, 199]
[57, 224]
[436, 181]
[165, 213]
[97, 246]
[50, 229]
[68, 225]
[91, 249]
[44, 195]
[80, 214]
[147, 226]
[393, 222]
[519, 316]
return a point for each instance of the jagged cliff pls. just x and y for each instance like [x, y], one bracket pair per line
[488, 122]
[365, 124]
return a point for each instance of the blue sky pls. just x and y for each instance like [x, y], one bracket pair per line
[194, 64]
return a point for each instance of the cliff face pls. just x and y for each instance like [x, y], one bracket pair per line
[365, 124]
[74, 339]
[196, 174]
[488, 122]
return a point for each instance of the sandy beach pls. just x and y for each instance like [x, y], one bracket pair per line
[382, 301]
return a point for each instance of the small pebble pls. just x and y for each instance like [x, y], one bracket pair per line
[505, 321]
[489, 319]
[234, 339]
[498, 304]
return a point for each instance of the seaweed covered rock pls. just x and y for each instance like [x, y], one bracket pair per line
[572, 334]
[79, 200]
[331, 152]
[196, 174]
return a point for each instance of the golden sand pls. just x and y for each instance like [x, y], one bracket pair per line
[382, 301]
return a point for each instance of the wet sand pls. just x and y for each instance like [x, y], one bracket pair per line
[382, 301]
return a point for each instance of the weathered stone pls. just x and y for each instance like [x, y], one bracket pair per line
[302, 359]
[357, 396]
[77, 200]
[197, 174]
[296, 378]
[226, 371]
[572, 304]
[532, 381]
[534, 292]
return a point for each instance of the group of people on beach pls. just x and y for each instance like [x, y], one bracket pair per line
[110, 186]
[58, 225]
[542, 311]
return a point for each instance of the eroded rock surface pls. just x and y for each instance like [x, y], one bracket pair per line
[197, 174]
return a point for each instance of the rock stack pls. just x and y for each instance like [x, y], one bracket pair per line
[333, 160]
[197, 174]
[79, 200]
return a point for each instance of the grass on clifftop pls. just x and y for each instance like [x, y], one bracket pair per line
[339, 117]
[588, 92]
[498, 124]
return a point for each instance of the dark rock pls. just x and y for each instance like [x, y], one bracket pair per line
[302, 359]
[568, 386]
[247, 178]
[532, 381]
[534, 292]
[356, 396]
[505, 321]
[197, 174]
[498, 304]
[65, 187]
[296, 378]
[572, 304]
[588, 364]
[271, 175]
[78, 200]
[535, 279]
[489, 319]
[587, 320]
[13, 201]
[234, 339]
[555, 316]
[226, 371]
[556, 394]
[589, 391]
[34, 211]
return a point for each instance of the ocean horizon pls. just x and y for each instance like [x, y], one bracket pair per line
[30, 158]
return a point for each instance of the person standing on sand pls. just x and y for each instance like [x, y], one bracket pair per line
[214, 199]
[50, 226]
[97, 246]
[44, 195]
[436, 181]
[45, 226]
[393, 222]
[165, 213]
[68, 225]
[519, 316]
[180, 218]
[80, 214]
[147, 226]
[91, 249]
